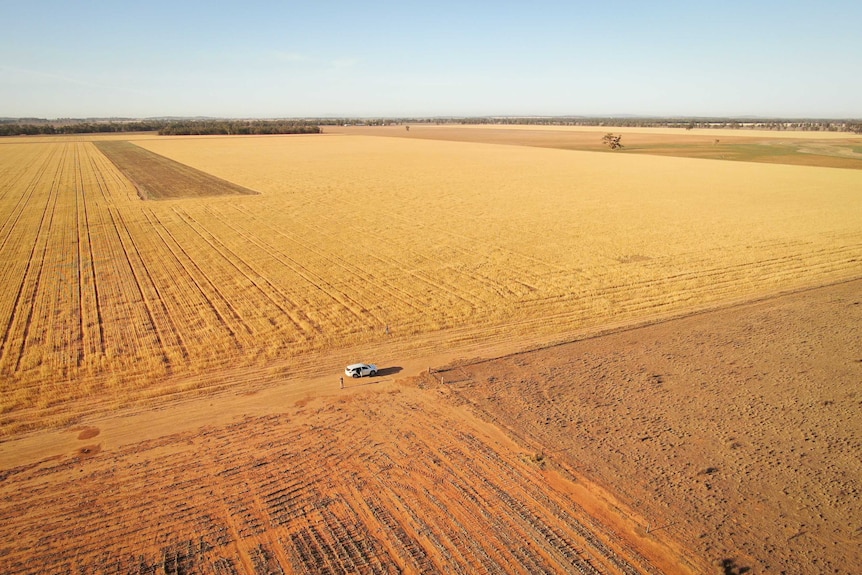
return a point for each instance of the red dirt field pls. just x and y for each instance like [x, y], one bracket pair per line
[726, 441]
[373, 482]
[737, 432]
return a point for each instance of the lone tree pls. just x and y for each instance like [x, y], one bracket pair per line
[612, 141]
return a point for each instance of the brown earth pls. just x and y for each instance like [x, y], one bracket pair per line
[737, 432]
[721, 442]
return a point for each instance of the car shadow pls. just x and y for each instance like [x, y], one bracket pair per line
[389, 371]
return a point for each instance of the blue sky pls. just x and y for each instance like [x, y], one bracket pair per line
[313, 58]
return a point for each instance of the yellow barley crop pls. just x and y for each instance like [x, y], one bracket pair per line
[351, 236]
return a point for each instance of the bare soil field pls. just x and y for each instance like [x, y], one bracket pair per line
[736, 431]
[371, 482]
[170, 369]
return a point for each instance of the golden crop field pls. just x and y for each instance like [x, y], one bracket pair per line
[354, 240]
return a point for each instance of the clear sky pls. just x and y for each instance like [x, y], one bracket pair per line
[147, 58]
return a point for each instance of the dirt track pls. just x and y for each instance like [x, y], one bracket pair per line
[725, 441]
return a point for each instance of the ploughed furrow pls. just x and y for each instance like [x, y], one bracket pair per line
[406, 546]
[510, 534]
[534, 510]
[471, 509]
[402, 485]
[510, 488]
[358, 550]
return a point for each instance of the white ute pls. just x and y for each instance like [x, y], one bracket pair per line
[360, 369]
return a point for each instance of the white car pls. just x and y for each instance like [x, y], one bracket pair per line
[360, 369]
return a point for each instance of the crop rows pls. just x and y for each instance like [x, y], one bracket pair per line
[356, 241]
[314, 493]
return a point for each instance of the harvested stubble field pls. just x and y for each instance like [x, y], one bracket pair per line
[408, 252]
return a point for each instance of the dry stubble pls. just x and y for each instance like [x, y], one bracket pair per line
[352, 235]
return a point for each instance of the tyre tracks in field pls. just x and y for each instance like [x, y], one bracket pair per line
[294, 263]
[374, 279]
[299, 318]
[23, 199]
[129, 325]
[88, 274]
[198, 280]
[235, 264]
[704, 285]
[377, 483]
[478, 251]
[460, 283]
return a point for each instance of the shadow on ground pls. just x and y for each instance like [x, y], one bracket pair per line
[389, 371]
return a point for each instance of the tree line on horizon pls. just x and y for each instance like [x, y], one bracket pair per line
[36, 127]
[238, 127]
[779, 124]
[216, 126]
